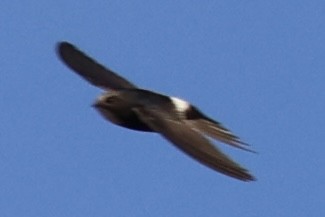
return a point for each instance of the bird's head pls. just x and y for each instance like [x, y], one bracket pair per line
[109, 100]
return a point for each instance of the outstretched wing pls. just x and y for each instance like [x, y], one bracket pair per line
[90, 70]
[192, 143]
[217, 131]
[196, 119]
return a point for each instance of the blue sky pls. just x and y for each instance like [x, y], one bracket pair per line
[256, 66]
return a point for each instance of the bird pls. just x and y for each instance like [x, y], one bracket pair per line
[178, 121]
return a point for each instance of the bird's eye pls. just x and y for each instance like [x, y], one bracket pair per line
[110, 99]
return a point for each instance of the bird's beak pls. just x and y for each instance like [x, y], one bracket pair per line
[94, 105]
[97, 104]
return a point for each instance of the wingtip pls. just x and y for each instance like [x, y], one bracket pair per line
[63, 46]
[245, 176]
[250, 178]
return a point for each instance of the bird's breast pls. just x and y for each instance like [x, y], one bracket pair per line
[124, 117]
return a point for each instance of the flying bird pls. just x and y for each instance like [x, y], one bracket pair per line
[178, 121]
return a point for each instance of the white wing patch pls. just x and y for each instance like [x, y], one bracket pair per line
[180, 105]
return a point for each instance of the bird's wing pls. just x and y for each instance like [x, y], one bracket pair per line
[217, 131]
[90, 70]
[192, 143]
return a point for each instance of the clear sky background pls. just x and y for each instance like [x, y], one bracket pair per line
[256, 66]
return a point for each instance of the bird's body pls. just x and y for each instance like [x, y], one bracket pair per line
[175, 119]
[119, 106]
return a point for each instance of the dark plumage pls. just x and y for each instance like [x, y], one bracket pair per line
[175, 119]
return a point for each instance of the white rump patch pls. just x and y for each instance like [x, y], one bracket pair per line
[181, 105]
